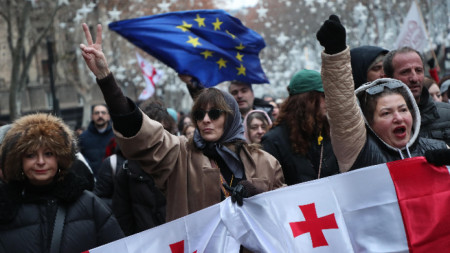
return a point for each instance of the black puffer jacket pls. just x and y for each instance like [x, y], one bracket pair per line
[435, 121]
[298, 168]
[137, 203]
[27, 215]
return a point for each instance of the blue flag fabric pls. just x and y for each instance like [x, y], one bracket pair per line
[210, 45]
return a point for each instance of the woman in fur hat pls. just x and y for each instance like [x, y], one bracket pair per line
[44, 206]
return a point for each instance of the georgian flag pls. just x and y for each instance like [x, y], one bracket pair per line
[151, 77]
[401, 206]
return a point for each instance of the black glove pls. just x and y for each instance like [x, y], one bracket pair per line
[431, 63]
[331, 35]
[243, 189]
[438, 157]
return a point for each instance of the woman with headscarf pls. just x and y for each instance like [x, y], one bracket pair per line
[45, 207]
[256, 125]
[192, 173]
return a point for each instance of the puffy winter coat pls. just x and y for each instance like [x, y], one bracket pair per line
[28, 212]
[354, 142]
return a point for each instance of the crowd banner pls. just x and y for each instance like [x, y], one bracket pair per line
[400, 206]
[413, 32]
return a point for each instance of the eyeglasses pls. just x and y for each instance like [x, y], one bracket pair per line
[100, 112]
[380, 87]
[212, 114]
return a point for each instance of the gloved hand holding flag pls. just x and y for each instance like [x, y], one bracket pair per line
[210, 45]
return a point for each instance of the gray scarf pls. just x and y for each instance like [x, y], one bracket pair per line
[233, 130]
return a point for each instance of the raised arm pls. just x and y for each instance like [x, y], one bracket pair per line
[93, 53]
[348, 131]
[96, 62]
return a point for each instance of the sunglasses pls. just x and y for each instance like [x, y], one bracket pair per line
[212, 114]
[380, 87]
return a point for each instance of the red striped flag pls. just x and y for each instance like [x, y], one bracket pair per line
[400, 206]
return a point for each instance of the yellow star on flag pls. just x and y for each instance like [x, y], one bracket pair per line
[240, 47]
[241, 70]
[200, 21]
[232, 35]
[222, 63]
[194, 41]
[185, 26]
[207, 54]
[239, 56]
[217, 24]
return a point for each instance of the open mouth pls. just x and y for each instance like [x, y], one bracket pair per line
[400, 131]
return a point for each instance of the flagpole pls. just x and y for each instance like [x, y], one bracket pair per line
[426, 31]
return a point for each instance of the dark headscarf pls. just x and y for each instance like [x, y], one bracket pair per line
[233, 131]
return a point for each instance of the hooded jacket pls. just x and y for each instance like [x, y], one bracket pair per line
[361, 59]
[27, 212]
[354, 142]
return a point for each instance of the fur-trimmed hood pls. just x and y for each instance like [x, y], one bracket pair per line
[31, 132]
[415, 110]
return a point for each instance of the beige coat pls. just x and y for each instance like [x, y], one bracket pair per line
[184, 174]
[347, 127]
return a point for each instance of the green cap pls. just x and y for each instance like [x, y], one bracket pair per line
[305, 80]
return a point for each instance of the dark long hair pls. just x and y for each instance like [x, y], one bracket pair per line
[301, 113]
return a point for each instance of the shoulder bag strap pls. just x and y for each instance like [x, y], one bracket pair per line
[58, 229]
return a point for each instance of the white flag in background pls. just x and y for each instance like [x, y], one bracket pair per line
[413, 33]
[151, 77]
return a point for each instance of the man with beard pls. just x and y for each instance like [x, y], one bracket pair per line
[93, 141]
[407, 65]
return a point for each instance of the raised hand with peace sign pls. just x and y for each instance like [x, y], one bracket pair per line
[93, 54]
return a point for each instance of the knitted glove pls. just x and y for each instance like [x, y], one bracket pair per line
[331, 35]
[244, 189]
[438, 157]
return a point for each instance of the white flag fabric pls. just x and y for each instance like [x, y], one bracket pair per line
[413, 33]
[151, 77]
[400, 206]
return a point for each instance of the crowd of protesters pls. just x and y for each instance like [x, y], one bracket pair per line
[139, 165]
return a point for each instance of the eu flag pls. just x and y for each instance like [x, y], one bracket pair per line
[210, 45]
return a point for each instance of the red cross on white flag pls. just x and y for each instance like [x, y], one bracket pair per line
[151, 77]
[400, 206]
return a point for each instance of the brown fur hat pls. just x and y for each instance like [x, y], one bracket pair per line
[28, 134]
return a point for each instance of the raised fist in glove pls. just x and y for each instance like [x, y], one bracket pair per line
[243, 189]
[331, 35]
